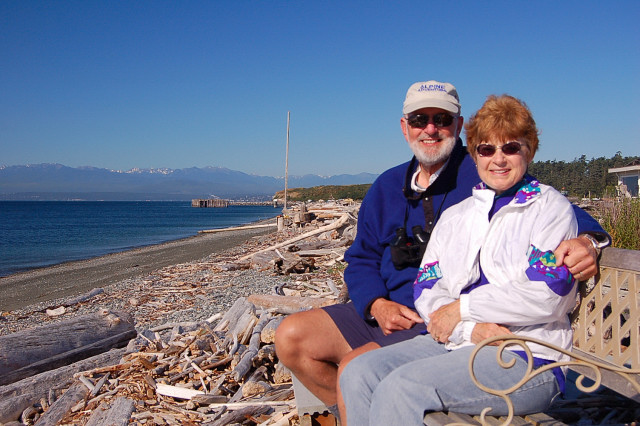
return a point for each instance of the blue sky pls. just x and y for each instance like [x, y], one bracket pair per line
[123, 84]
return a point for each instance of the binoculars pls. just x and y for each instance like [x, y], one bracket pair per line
[407, 251]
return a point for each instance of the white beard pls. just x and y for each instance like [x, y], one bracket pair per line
[430, 156]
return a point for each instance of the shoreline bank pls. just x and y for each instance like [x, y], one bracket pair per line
[73, 278]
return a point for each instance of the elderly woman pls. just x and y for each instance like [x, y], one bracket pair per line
[490, 262]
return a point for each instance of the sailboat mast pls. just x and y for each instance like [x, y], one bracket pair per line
[286, 164]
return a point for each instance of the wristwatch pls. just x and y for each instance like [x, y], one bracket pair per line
[594, 243]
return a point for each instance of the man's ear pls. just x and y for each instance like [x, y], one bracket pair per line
[460, 126]
[403, 127]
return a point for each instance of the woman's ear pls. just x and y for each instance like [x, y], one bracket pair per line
[474, 157]
[530, 160]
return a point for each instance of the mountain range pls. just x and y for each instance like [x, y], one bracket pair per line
[58, 182]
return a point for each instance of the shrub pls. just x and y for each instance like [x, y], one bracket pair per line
[621, 219]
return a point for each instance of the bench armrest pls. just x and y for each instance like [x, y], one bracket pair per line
[576, 359]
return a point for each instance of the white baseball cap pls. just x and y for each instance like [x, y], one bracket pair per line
[431, 94]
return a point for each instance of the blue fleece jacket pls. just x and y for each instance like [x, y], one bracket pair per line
[370, 273]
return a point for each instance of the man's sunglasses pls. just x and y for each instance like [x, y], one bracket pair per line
[509, 148]
[420, 121]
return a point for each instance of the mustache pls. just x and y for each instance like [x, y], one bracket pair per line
[428, 138]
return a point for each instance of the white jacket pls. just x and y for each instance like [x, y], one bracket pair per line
[526, 292]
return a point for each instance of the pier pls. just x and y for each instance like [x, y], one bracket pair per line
[218, 202]
[215, 202]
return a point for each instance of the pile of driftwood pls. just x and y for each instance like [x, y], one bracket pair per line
[96, 369]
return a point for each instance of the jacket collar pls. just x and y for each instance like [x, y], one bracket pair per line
[444, 183]
[527, 191]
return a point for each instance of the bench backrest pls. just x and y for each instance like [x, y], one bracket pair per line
[607, 323]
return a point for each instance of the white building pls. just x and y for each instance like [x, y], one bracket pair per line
[628, 179]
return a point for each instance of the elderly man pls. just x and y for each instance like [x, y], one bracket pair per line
[394, 223]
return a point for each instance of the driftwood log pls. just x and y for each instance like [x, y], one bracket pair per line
[335, 225]
[117, 415]
[268, 333]
[43, 348]
[288, 304]
[16, 397]
[62, 406]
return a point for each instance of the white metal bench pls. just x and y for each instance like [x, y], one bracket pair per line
[606, 346]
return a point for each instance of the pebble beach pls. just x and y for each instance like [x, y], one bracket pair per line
[157, 284]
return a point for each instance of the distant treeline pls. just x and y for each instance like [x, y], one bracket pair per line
[582, 177]
[578, 178]
[328, 192]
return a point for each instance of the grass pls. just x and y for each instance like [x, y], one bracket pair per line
[621, 219]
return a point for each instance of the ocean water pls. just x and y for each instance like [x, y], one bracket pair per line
[35, 234]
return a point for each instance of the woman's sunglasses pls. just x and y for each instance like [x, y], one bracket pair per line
[509, 148]
[420, 121]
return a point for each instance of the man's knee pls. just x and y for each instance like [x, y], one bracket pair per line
[298, 331]
[310, 334]
[289, 335]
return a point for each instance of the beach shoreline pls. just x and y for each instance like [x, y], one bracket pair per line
[70, 279]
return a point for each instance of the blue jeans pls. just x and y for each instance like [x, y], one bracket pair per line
[397, 384]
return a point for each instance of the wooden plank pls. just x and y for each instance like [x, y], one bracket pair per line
[319, 252]
[176, 391]
[437, 418]
[240, 415]
[62, 406]
[117, 415]
[490, 420]
[337, 224]
[516, 421]
[541, 419]
[230, 318]
[463, 418]
[237, 228]
[288, 304]
[617, 258]
[609, 379]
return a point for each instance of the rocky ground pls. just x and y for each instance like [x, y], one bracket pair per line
[186, 341]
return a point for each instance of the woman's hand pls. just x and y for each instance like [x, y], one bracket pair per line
[443, 320]
[484, 330]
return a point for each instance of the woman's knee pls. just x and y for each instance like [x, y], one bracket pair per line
[394, 401]
[355, 353]
[536, 395]
[350, 374]
[360, 374]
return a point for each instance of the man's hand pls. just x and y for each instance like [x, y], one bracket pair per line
[484, 330]
[392, 316]
[579, 256]
[443, 320]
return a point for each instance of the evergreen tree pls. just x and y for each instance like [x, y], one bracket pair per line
[581, 177]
